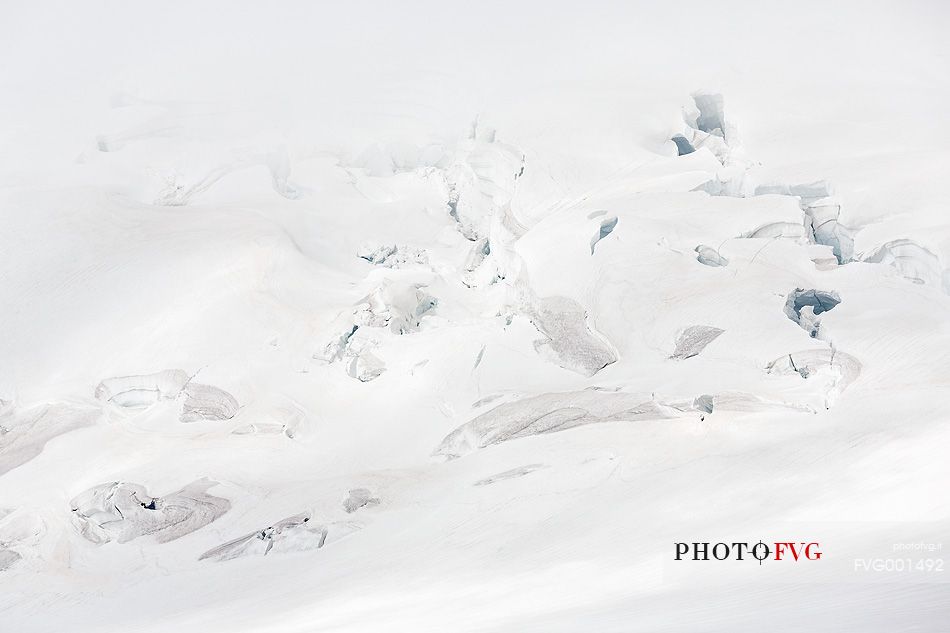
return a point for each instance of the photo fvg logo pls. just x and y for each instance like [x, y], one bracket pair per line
[790, 550]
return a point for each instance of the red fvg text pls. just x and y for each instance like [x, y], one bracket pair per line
[789, 550]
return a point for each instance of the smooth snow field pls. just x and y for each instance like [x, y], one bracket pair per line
[467, 317]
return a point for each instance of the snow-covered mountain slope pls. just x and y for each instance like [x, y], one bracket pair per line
[435, 317]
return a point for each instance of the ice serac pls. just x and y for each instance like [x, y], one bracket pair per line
[705, 127]
[357, 352]
[392, 255]
[358, 498]
[393, 308]
[121, 512]
[804, 307]
[398, 306]
[364, 365]
[705, 403]
[563, 321]
[549, 413]
[821, 214]
[712, 115]
[823, 219]
[201, 401]
[709, 256]
[293, 534]
[606, 227]
[913, 261]
[683, 146]
[836, 370]
[142, 390]
[480, 181]
[694, 340]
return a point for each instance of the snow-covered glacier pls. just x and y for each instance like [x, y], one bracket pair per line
[458, 317]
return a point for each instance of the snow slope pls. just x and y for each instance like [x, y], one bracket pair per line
[416, 317]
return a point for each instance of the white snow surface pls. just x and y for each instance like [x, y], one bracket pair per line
[409, 317]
